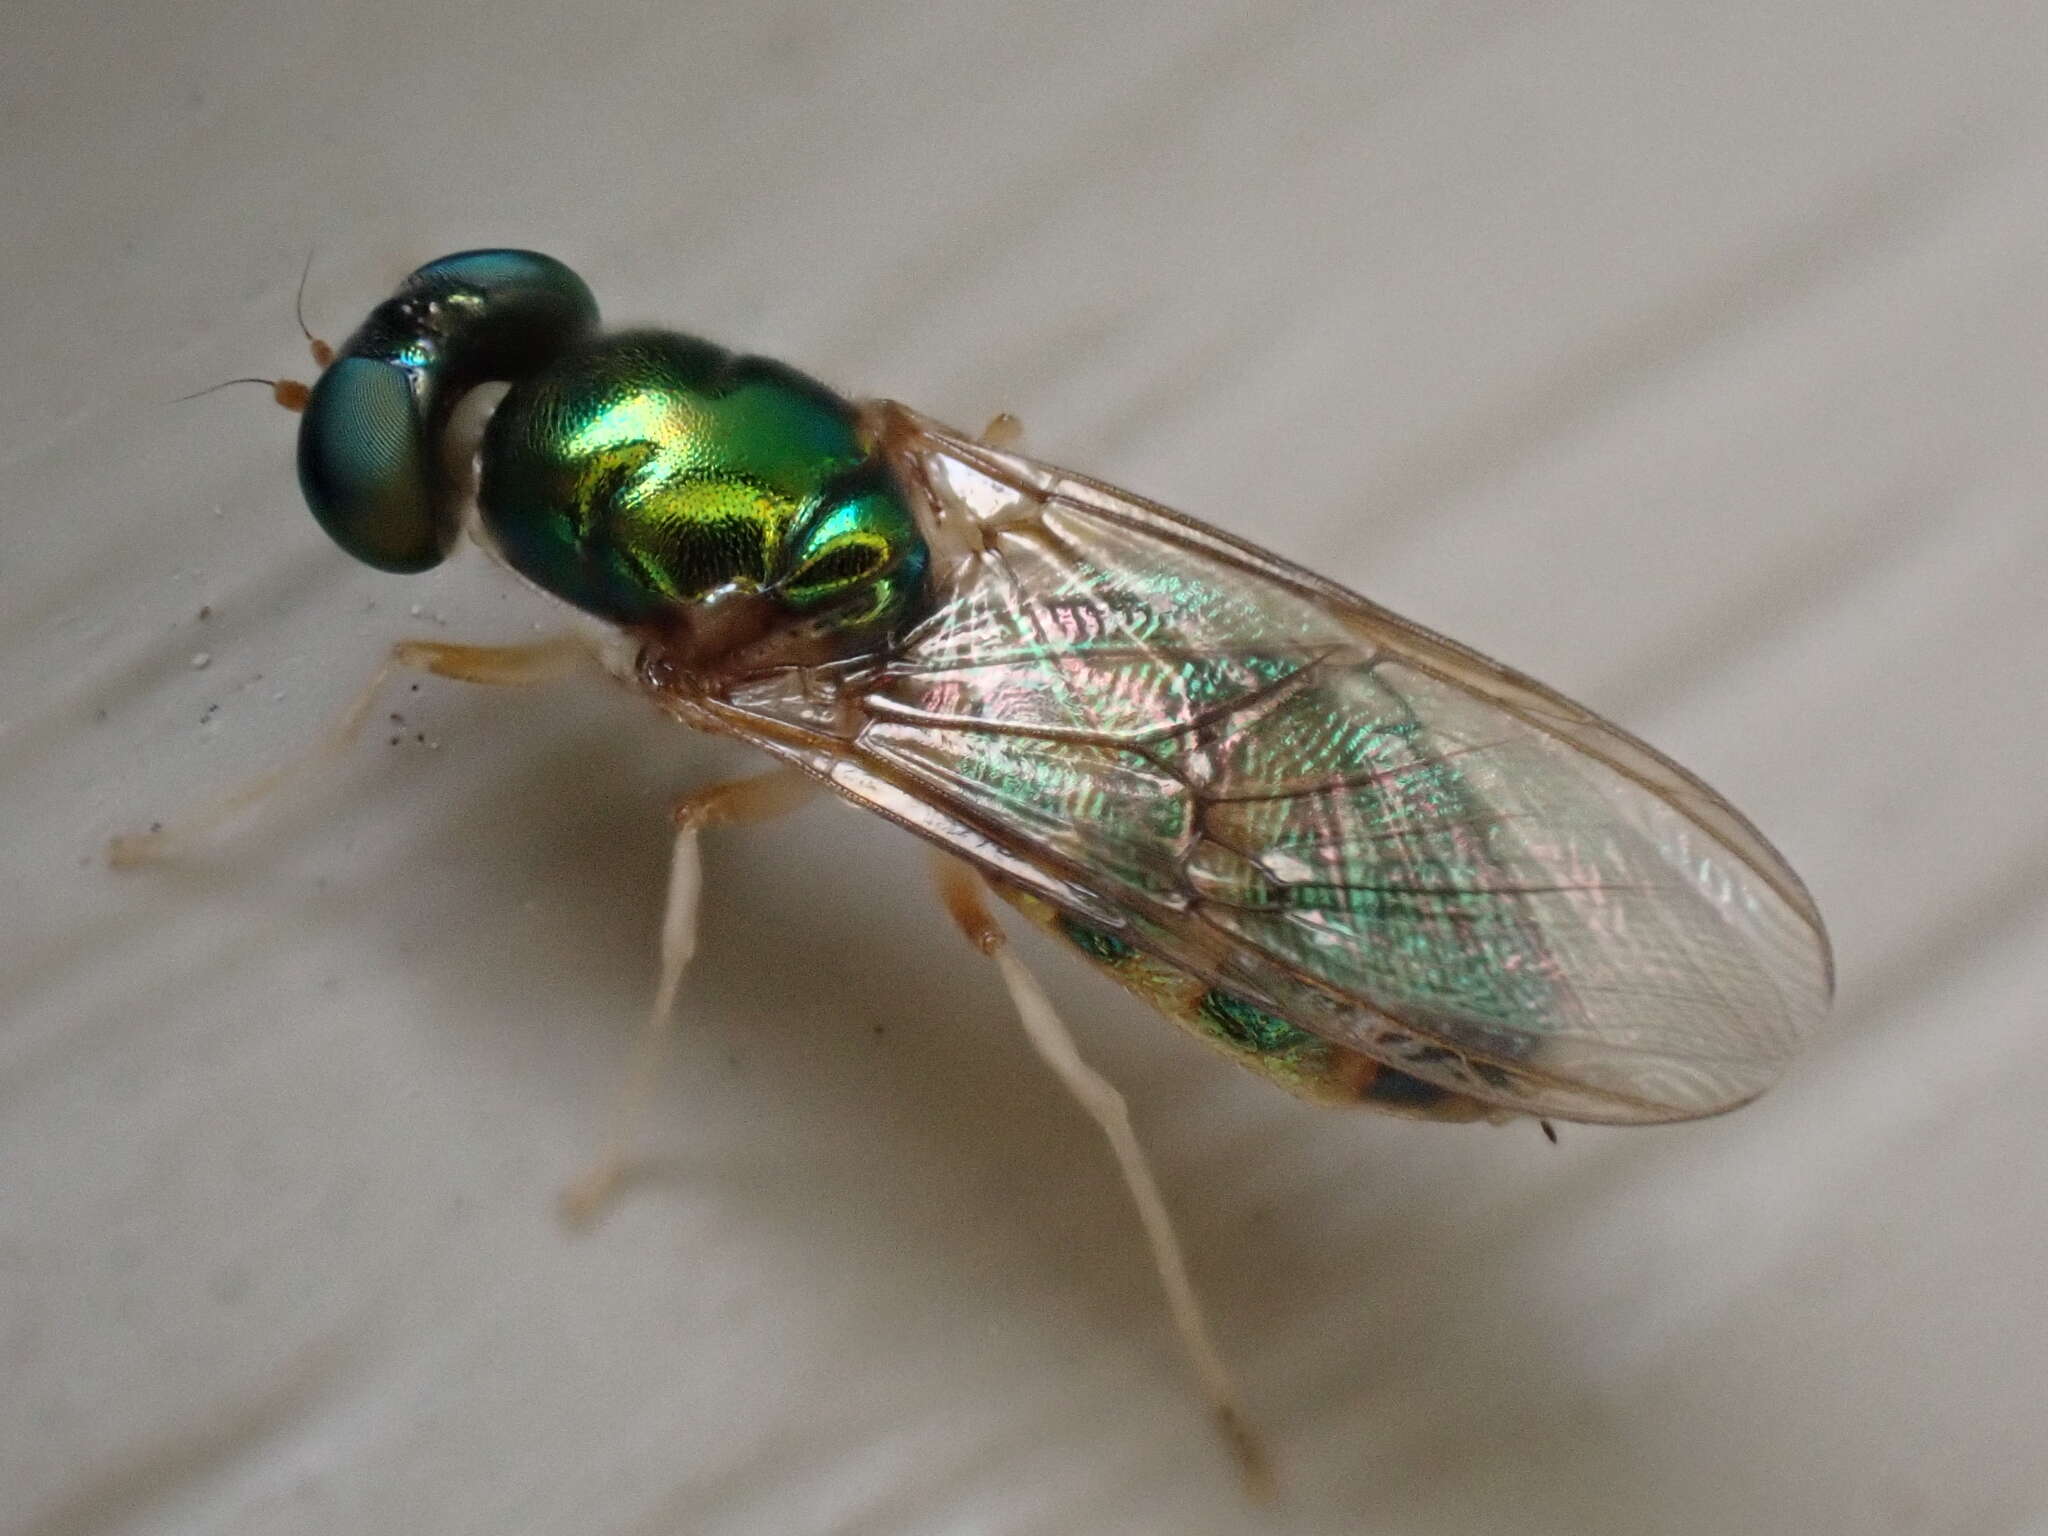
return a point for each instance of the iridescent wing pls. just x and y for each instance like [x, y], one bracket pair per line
[1343, 819]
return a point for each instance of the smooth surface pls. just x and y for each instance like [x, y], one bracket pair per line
[1695, 360]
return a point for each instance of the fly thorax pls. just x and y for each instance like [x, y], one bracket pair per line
[726, 506]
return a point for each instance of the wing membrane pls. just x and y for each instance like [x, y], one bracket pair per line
[1376, 833]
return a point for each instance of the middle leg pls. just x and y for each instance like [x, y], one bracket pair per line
[731, 803]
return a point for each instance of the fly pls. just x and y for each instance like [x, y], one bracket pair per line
[1355, 857]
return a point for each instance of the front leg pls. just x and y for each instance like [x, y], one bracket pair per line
[499, 666]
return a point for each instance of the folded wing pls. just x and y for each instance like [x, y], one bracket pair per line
[1375, 833]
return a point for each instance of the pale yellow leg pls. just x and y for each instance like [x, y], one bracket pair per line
[734, 803]
[965, 898]
[495, 665]
[1003, 432]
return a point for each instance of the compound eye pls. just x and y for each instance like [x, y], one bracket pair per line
[364, 468]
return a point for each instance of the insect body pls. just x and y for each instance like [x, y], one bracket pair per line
[1334, 843]
[1360, 859]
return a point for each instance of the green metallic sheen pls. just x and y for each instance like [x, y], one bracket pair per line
[1252, 1027]
[1095, 942]
[648, 471]
[369, 446]
[1398, 879]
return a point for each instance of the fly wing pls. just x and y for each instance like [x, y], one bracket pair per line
[1328, 812]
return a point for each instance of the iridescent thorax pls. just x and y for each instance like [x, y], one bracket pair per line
[655, 480]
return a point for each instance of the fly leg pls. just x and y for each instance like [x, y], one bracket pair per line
[966, 902]
[733, 803]
[496, 665]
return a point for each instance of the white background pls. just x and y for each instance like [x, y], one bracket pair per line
[1693, 357]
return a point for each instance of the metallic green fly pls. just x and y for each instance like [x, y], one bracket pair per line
[1353, 856]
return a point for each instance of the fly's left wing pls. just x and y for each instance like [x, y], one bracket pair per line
[1333, 814]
